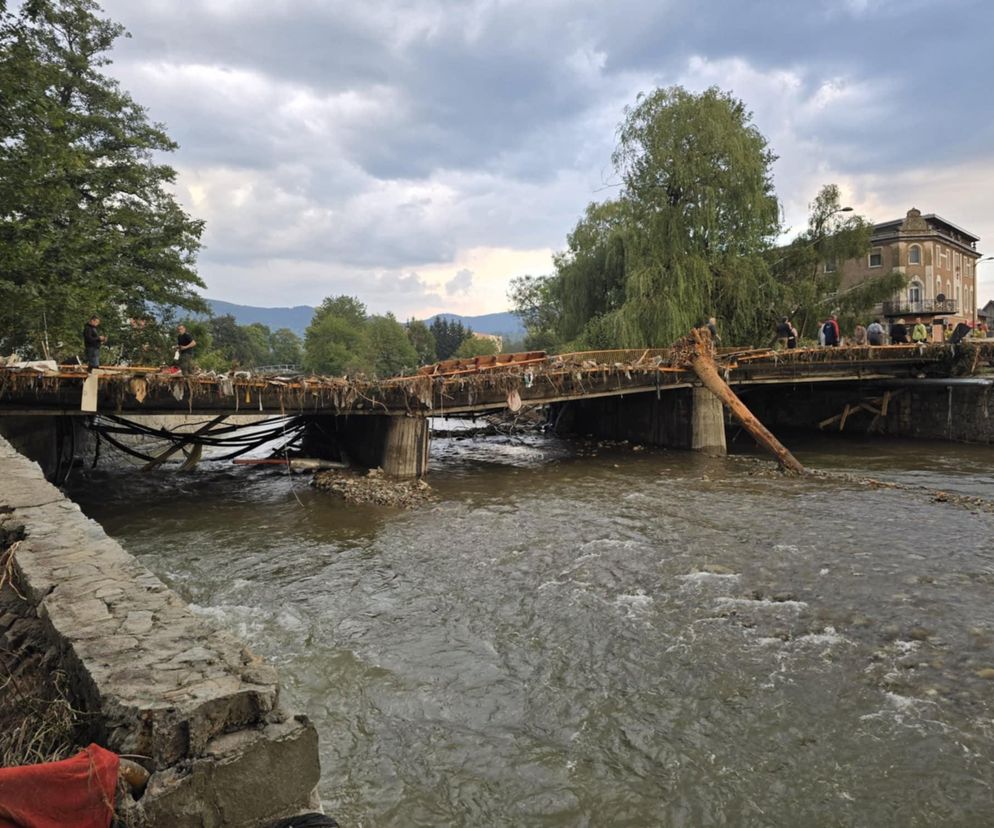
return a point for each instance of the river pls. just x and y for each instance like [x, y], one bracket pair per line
[579, 635]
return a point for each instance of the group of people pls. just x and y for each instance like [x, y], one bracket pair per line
[183, 356]
[899, 333]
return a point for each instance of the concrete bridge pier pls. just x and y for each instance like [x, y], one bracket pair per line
[396, 444]
[684, 418]
[707, 423]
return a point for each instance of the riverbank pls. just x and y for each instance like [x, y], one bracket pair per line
[130, 667]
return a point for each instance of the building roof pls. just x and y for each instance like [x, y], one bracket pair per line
[932, 219]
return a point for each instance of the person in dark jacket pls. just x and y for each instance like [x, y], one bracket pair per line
[787, 333]
[898, 333]
[831, 331]
[875, 333]
[92, 340]
[185, 346]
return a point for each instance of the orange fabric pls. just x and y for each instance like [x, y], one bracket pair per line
[74, 793]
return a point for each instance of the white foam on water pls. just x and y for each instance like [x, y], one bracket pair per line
[828, 636]
[708, 577]
[766, 603]
[635, 604]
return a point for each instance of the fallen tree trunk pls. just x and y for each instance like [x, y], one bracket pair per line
[703, 364]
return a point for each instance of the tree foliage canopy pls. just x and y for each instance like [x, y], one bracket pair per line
[342, 339]
[87, 221]
[684, 239]
[449, 334]
[691, 236]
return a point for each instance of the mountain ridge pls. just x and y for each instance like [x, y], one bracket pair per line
[298, 317]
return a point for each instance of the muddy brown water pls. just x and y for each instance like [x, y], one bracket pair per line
[578, 635]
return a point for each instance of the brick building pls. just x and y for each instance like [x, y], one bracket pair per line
[939, 260]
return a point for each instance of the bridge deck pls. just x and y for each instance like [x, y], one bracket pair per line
[470, 386]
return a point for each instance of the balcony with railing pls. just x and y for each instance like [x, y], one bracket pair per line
[903, 307]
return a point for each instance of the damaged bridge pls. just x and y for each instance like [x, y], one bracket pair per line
[655, 396]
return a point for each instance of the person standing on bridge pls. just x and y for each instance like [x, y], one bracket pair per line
[712, 327]
[919, 334]
[831, 330]
[898, 333]
[786, 334]
[185, 347]
[875, 333]
[92, 340]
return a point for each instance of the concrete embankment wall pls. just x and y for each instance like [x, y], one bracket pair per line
[953, 410]
[155, 679]
[933, 411]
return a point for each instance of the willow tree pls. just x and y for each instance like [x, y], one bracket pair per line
[88, 223]
[590, 273]
[697, 183]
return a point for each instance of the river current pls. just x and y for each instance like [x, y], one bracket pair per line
[579, 635]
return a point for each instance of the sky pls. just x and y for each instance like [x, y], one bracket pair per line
[418, 154]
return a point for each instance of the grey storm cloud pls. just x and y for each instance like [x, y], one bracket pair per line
[462, 282]
[389, 136]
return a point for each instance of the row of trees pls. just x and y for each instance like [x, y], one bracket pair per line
[690, 235]
[343, 338]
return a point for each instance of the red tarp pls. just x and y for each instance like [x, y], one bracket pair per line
[73, 793]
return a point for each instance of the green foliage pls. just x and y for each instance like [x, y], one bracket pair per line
[423, 341]
[449, 335]
[474, 346]
[535, 300]
[698, 185]
[342, 340]
[591, 271]
[808, 290]
[684, 240]
[390, 349]
[286, 347]
[87, 220]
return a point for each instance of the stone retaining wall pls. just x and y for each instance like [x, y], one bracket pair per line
[157, 680]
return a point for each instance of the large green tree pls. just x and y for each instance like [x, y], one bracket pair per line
[390, 348]
[423, 341]
[685, 238]
[449, 334]
[286, 347]
[535, 300]
[87, 220]
[337, 342]
[696, 176]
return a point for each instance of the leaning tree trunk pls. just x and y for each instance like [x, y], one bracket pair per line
[703, 364]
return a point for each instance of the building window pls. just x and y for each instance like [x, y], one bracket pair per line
[915, 293]
[830, 266]
[914, 255]
[877, 257]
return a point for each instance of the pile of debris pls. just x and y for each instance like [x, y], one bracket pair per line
[373, 487]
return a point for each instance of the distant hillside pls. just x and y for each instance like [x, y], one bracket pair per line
[503, 324]
[298, 318]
